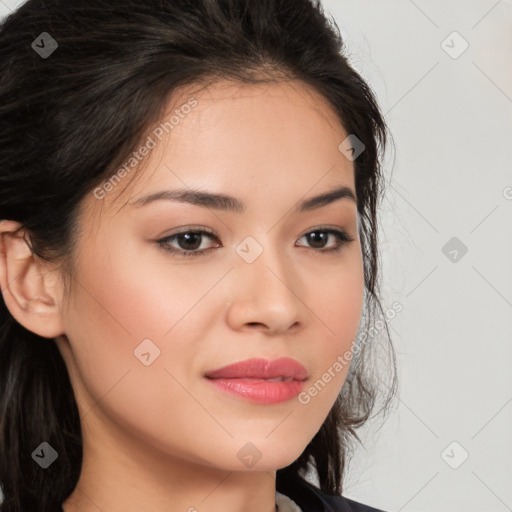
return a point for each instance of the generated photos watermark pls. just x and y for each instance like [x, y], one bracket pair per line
[158, 133]
[343, 360]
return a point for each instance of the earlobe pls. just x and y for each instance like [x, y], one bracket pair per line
[25, 283]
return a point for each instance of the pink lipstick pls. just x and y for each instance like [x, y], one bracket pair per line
[260, 380]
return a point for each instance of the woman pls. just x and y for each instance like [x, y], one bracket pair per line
[139, 370]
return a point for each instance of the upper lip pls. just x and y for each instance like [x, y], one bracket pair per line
[260, 368]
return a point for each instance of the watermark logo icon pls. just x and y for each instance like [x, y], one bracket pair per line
[454, 45]
[351, 147]
[454, 249]
[249, 454]
[454, 455]
[45, 455]
[249, 249]
[44, 45]
[146, 352]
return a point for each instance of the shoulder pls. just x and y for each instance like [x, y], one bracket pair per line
[311, 499]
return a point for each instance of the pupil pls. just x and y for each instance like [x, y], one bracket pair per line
[187, 237]
[316, 236]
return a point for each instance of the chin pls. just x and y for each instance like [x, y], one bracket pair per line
[259, 456]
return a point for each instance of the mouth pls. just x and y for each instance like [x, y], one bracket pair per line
[259, 380]
[283, 369]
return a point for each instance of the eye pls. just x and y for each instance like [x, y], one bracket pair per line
[320, 235]
[189, 241]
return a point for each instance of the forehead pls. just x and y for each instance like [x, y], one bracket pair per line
[238, 137]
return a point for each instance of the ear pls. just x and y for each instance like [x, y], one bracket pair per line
[31, 290]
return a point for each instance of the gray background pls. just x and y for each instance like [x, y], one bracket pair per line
[446, 446]
[451, 120]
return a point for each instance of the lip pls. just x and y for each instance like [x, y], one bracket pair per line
[249, 379]
[259, 368]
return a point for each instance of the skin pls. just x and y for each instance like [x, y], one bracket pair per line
[160, 437]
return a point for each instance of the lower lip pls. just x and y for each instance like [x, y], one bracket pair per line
[259, 391]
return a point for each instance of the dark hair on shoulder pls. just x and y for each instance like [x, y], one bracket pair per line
[68, 120]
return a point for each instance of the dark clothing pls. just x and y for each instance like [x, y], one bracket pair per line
[311, 499]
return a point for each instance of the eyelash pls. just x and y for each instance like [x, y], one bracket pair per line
[343, 237]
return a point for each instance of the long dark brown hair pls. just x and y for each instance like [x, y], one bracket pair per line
[69, 118]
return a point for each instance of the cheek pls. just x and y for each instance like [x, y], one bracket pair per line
[130, 294]
[337, 300]
[123, 299]
[134, 291]
[337, 293]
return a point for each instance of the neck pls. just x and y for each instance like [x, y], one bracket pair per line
[128, 477]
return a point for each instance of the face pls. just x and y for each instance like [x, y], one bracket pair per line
[151, 312]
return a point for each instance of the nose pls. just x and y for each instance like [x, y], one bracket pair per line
[266, 295]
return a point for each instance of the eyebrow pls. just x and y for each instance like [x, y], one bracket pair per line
[229, 203]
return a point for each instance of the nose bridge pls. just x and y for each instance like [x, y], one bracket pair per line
[264, 269]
